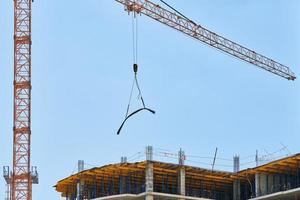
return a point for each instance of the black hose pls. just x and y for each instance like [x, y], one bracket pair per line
[135, 112]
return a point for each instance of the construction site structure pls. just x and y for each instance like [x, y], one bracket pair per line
[19, 181]
[23, 175]
[155, 180]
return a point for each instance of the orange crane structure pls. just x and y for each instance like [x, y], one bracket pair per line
[20, 180]
[181, 23]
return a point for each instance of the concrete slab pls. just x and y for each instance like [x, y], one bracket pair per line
[293, 194]
[156, 195]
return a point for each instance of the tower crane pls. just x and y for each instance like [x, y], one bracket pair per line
[181, 23]
[19, 181]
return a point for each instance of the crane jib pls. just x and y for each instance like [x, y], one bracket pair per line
[190, 28]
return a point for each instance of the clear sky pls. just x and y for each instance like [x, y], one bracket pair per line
[82, 73]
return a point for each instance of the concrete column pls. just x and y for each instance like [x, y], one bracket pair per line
[257, 185]
[123, 159]
[261, 184]
[122, 185]
[80, 186]
[149, 180]
[181, 173]
[149, 153]
[236, 163]
[237, 190]
[80, 183]
[236, 183]
[181, 181]
[270, 183]
[276, 183]
[181, 157]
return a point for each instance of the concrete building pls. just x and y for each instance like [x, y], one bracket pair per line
[153, 180]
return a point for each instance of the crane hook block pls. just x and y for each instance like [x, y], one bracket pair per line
[135, 68]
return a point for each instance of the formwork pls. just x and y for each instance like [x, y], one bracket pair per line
[118, 179]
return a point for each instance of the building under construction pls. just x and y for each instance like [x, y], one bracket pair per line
[154, 180]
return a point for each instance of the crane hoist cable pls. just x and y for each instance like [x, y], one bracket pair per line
[140, 96]
[135, 80]
[176, 11]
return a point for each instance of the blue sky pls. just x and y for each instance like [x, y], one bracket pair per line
[82, 74]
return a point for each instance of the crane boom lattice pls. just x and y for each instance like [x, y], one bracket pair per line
[206, 36]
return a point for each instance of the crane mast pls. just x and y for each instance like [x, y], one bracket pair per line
[190, 28]
[23, 175]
